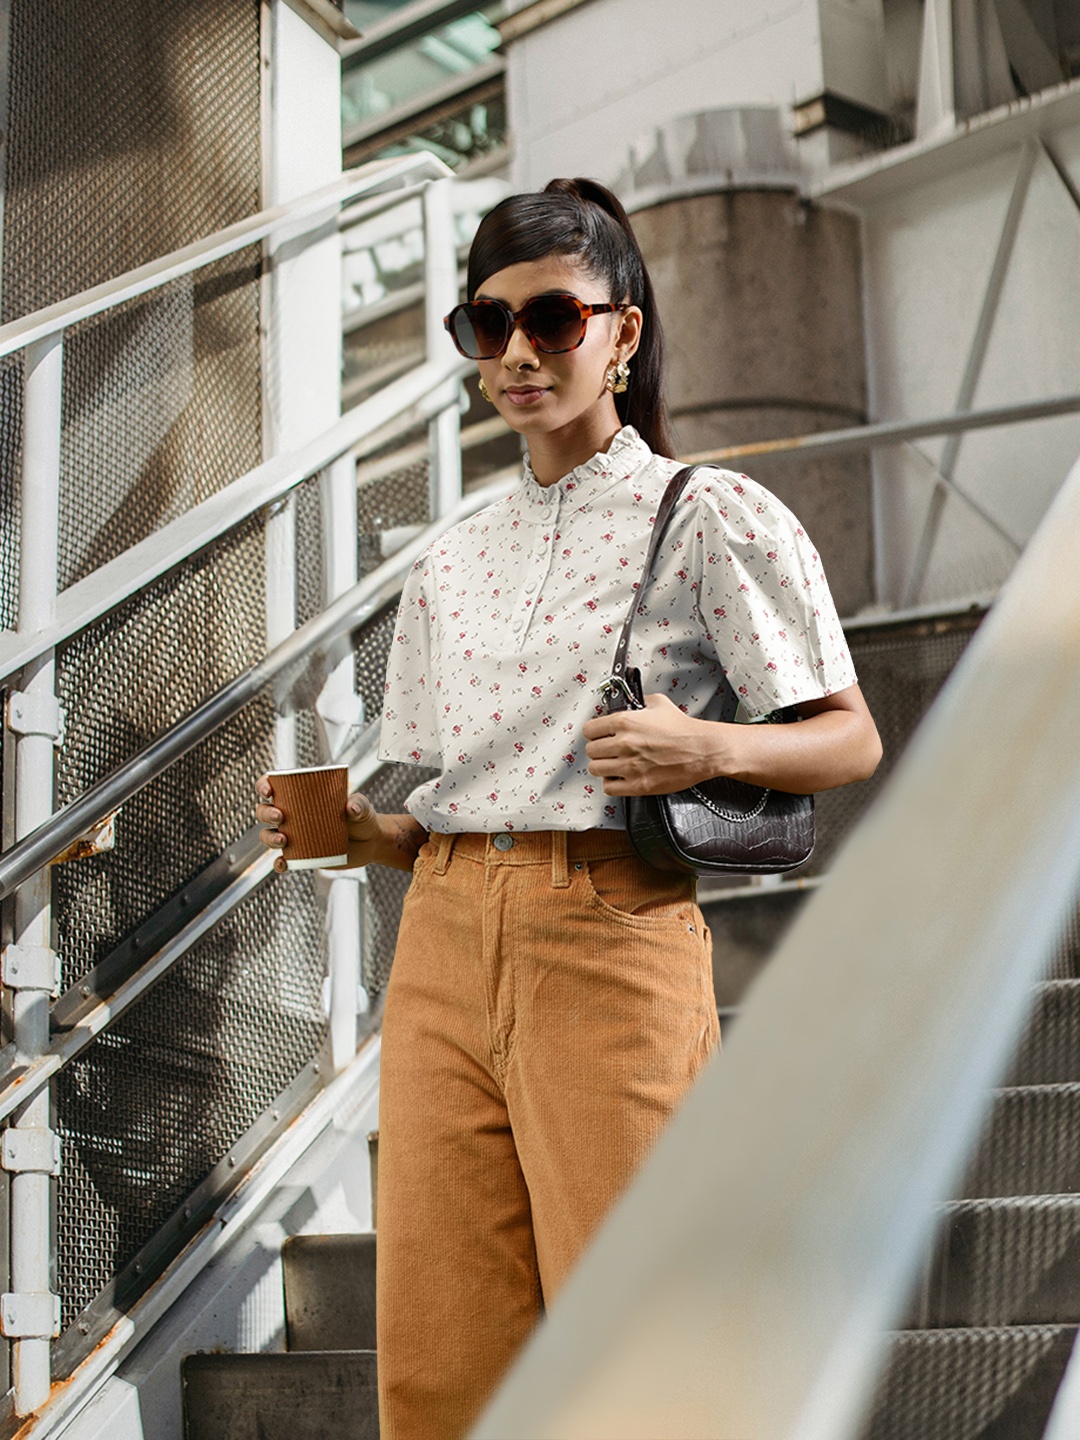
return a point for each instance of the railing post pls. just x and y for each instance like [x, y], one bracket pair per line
[440, 296]
[30, 1313]
[341, 711]
[279, 539]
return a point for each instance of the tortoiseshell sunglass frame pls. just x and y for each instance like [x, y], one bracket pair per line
[519, 317]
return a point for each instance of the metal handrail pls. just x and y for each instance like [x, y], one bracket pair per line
[746, 1282]
[136, 567]
[891, 432]
[284, 663]
[287, 221]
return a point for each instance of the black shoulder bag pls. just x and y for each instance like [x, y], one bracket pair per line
[720, 826]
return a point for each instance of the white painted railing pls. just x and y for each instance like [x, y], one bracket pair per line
[29, 1312]
[745, 1284]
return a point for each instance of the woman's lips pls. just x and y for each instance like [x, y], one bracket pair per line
[525, 395]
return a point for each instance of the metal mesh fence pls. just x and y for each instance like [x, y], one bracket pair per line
[901, 668]
[11, 390]
[161, 409]
[385, 891]
[152, 1106]
[133, 129]
[122, 681]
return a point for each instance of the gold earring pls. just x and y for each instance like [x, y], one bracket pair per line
[618, 378]
[485, 392]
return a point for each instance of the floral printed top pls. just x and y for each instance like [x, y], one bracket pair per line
[508, 625]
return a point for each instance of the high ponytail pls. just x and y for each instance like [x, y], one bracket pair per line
[583, 219]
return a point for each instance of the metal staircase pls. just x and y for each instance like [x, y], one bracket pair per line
[323, 1386]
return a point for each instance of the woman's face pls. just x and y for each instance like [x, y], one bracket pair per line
[539, 394]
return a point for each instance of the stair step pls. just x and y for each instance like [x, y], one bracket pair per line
[1049, 1052]
[1012, 1261]
[972, 1384]
[316, 1395]
[1031, 1145]
[330, 1292]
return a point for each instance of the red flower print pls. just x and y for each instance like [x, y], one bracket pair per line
[569, 759]
[519, 747]
[750, 535]
[537, 691]
[496, 716]
[581, 679]
[494, 795]
[414, 754]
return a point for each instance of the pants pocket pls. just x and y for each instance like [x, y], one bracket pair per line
[626, 888]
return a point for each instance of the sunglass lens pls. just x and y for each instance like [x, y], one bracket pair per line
[480, 330]
[554, 322]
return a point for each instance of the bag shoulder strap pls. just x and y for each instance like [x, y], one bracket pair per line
[676, 485]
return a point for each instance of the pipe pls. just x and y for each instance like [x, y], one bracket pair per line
[440, 296]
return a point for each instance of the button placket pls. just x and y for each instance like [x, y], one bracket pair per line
[539, 567]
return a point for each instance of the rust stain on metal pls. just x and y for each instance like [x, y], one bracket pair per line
[101, 837]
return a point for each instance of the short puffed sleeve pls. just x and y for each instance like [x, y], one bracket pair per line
[409, 732]
[764, 598]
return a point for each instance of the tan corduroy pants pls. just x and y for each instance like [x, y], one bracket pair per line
[549, 1005]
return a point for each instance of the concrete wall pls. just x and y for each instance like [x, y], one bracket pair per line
[585, 87]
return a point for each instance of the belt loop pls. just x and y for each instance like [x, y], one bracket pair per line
[560, 871]
[442, 859]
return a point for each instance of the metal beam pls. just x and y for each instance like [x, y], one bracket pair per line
[973, 368]
[890, 432]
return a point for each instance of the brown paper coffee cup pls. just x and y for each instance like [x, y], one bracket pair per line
[312, 805]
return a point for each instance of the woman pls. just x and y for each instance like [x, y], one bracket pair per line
[551, 996]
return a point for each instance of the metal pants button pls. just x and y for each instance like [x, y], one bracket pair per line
[504, 842]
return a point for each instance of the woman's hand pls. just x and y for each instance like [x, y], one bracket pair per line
[654, 751]
[374, 839]
[658, 750]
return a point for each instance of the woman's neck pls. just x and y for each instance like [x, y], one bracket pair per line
[554, 455]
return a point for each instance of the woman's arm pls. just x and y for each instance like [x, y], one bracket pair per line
[374, 839]
[659, 749]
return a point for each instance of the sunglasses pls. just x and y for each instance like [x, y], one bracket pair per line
[553, 324]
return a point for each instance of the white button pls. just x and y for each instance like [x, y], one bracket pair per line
[517, 625]
[530, 587]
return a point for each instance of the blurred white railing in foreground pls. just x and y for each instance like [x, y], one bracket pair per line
[744, 1286]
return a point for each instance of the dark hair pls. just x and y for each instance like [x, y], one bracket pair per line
[581, 218]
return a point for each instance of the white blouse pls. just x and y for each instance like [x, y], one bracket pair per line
[508, 624]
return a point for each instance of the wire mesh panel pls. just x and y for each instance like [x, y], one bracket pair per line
[901, 668]
[152, 1106]
[122, 681]
[110, 164]
[11, 371]
[161, 409]
[388, 790]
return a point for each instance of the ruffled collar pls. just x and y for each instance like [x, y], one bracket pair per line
[626, 454]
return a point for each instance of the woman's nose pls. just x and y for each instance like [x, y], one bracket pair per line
[519, 351]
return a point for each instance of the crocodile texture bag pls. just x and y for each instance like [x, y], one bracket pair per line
[720, 826]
